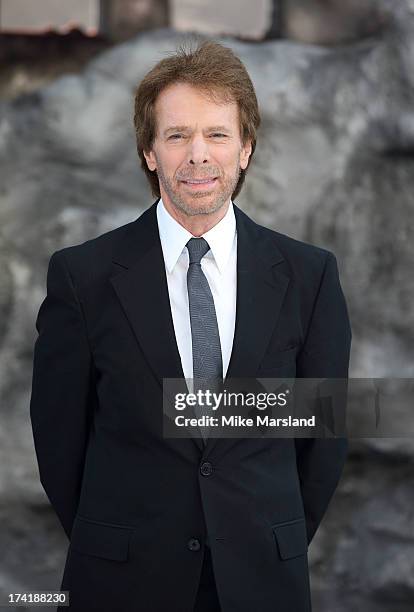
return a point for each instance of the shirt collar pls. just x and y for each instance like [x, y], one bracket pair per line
[174, 237]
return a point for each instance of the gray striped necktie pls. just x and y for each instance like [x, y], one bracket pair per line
[207, 359]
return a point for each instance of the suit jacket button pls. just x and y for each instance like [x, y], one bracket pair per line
[206, 468]
[193, 544]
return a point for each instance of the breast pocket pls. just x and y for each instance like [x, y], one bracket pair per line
[101, 539]
[279, 364]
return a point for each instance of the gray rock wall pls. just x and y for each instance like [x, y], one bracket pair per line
[334, 166]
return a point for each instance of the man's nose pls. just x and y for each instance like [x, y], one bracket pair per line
[198, 150]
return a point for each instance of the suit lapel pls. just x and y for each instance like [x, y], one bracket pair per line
[260, 292]
[141, 285]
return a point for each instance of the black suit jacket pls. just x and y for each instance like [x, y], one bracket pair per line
[136, 506]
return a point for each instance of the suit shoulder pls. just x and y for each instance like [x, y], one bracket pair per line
[299, 252]
[100, 246]
[292, 249]
[89, 261]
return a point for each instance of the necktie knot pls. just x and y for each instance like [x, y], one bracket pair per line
[197, 248]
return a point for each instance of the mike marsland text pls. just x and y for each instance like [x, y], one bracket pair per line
[239, 421]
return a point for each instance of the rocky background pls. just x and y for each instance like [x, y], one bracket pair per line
[334, 166]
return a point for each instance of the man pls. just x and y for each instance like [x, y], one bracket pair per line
[193, 287]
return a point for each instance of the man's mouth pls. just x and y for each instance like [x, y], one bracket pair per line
[206, 181]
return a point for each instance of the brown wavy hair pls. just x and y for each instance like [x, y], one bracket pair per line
[217, 72]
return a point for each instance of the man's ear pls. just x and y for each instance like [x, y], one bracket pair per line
[245, 153]
[150, 159]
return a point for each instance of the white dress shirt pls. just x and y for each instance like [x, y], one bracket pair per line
[220, 268]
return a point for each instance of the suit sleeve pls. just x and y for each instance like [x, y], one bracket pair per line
[62, 392]
[325, 354]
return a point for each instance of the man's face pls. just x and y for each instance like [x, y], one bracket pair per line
[196, 139]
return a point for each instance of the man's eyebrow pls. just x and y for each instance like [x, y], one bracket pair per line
[185, 128]
[219, 128]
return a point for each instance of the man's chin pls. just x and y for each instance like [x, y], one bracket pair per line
[203, 210]
[194, 208]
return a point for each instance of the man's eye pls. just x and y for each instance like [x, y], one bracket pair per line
[178, 136]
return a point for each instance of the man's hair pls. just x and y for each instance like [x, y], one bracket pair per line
[218, 73]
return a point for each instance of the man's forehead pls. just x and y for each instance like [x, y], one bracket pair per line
[183, 113]
[179, 97]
